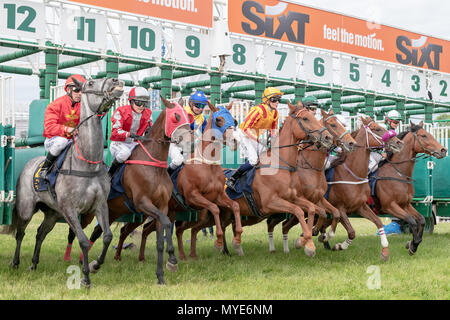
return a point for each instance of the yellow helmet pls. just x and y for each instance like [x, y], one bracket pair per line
[270, 92]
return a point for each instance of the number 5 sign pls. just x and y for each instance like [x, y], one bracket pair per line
[22, 19]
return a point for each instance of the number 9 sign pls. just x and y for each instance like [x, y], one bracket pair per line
[191, 47]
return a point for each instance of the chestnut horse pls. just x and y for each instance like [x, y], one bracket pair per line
[146, 181]
[311, 173]
[201, 183]
[394, 188]
[350, 189]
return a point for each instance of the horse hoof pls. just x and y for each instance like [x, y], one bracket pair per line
[299, 243]
[93, 266]
[411, 253]
[337, 247]
[310, 252]
[384, 254]
[32, 267]
[323, 238]
[14, 265]
[238, 248]
[171, 267]
[326, 245]
[117, 258]
[85, 284]
[286, 250]
[218, 247]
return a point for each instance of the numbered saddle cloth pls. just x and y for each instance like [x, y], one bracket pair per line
[118, 190]
[41, 184]
[243, 184]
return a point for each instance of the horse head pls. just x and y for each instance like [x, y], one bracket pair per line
[224, 125]
[379, 137]
[177, 126]
[341, 136]
[100, 94]
[309, 127]
[424, 142]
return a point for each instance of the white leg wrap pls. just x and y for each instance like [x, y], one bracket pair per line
[330, 234]
[285, 243]
[384, 241]
[345, 244]
[271, 245]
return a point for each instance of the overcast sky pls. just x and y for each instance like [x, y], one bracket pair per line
[431, 17]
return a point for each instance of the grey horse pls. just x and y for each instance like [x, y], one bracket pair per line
[82, 185]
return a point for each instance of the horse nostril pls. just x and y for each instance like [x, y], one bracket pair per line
[444, 151]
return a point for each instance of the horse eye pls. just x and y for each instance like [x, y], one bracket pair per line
[424, 136]
[333, 125]
[305, 119]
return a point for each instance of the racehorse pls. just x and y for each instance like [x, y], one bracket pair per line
[146, 182]
[394, 188]
[311, 165]
[275, 182]
[201, 183]
[349, 187]
[82, 186]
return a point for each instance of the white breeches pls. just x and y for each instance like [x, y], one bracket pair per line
[375, 158]
[176, 156]
[55, 145]
[249, 148]
[121, 150]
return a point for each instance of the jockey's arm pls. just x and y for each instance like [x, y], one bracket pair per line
[51, 122]
[117, 126]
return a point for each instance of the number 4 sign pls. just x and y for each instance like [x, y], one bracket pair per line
[384, 79]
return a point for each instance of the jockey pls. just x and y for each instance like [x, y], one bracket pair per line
[129, 122]
[197, 103]
[338, 150]
[261, 117]
[392, 120]
[61, 118]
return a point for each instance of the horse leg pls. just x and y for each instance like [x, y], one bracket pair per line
[336, 217]
[287, 225]
[271, 224]
[395, 210]
[124, 233]
[197, 199]
[421, 225]
[350, 232]
[281, 205]
[312, 209]
[50, 219]
[102, 215]
[20, 233]
[224, 201]
[367, 213]
[70, 238]
[147, 229]
[180, 227]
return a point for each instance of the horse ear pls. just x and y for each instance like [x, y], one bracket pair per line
[421, 124]
[292, 108]
[212, 107]
[181, 101]
[220, 122]
[166, 102]
[300, 104]
[324, 114]
[77, 83]
[365, 120]
[331, 112]
[230, 105]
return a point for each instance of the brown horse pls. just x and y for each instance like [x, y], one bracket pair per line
[350, 189]
[313, 184]
[201, 183]
[146, 182]
[394, 188]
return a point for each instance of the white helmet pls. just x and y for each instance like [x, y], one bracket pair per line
[394, 115]
[139, 93]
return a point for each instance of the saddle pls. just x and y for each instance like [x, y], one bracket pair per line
[48, 184]
[243, 188]
[178, 196]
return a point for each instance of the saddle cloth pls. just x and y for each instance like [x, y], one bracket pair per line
[178, 196]
[118, 190]
[41, 184]
[329, 175]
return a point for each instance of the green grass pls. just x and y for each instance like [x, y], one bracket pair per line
[257, 275]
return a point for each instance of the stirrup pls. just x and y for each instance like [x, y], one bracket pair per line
[231, 183]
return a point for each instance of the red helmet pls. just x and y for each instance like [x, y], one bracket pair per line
[70, 81]
[139, 93]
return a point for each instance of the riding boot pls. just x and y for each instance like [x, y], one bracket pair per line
[49, 160]
[114, 165]
[231, 182]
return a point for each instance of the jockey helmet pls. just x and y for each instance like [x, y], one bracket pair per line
[270, 92]
[310, 102]
[139, 94]
[393, 115]
[70, 81]
[199, 98]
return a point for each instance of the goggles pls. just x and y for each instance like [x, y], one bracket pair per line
[75, 89]
[312, 107]
[395, 121]
[140, 103]
[275, 99]
[199, 105]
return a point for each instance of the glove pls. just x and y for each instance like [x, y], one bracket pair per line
[135, 136]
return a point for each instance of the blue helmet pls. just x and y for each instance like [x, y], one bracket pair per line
[198, 97]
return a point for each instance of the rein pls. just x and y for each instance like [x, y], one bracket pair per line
[154, 162]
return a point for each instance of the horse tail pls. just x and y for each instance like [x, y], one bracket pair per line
[11, 229]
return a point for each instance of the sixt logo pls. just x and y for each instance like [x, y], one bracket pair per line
[266, 27]
[410, 50]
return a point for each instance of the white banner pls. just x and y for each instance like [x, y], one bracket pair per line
[243, 58]
[83, 30]
[191, 47]
[414, 85]
[140, 39]
[353, 73]
[22, 19]
[317, 68]
[440, 87]
[280, 62]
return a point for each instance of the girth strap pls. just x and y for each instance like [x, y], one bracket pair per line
[84, 174]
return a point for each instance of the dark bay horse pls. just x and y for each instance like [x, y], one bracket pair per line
[394, 188]
[350, 189]
[146, 181]
[313, 184]
[82, 186]
[201, 183]
[275, 183]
